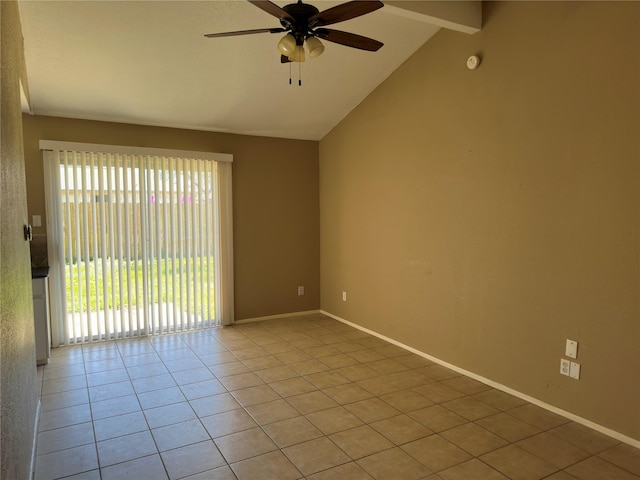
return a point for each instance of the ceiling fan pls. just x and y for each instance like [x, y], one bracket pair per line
[305, 24]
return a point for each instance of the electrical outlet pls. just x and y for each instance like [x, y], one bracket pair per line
[571, 349]
[344, 296]
[575, 370]
[565, 366]
[301, 290]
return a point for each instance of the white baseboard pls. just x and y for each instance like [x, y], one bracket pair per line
[583, 421]
[34, 447]
[273, 317]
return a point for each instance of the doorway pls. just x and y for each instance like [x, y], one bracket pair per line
[136, 243]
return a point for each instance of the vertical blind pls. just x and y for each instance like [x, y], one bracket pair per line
[139, 244]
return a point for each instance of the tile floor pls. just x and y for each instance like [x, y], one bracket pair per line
[300, 398]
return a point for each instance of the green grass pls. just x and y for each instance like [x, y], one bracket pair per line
[131, 293]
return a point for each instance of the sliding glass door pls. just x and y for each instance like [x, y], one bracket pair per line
[136, 243]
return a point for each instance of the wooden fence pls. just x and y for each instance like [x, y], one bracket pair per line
[172, 229]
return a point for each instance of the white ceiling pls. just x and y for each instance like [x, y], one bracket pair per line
[147, 62]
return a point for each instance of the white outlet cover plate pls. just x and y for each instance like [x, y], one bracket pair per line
[565, 366]
[571, 349]
[575, 370]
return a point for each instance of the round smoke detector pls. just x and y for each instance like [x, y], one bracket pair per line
[472, 62]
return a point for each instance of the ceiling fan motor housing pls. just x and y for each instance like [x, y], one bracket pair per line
[301, 13]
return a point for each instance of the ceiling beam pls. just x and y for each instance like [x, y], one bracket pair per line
[462, 16]
[25, 97]
[25, 102]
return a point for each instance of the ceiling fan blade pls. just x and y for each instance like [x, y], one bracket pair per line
[284, 59]
[245, 32]
[345, 11]
[272, 9]
[348, 39]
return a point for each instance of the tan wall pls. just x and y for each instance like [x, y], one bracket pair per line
[275, 203]
[485, 216]
[18, 392]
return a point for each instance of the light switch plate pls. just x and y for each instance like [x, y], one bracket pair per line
[571, 349]
[575, 370]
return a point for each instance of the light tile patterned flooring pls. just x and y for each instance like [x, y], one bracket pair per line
[300, 398]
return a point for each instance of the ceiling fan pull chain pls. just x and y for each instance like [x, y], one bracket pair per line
[299, 74]
[289, 73]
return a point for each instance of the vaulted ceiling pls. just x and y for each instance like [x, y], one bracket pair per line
[147, 62]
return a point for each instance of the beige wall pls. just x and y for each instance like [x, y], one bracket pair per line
[18, 393]
[485, 216]
[275, 203]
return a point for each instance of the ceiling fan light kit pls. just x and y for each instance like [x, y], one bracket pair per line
[304, 26]
[314, 47]
[289, 48]
[298, 54]
[287, 45]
